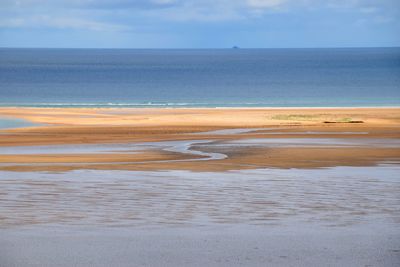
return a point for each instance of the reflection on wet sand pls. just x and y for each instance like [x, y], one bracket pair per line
[203, 202]
[229, 153]
[331, 197]
[200, 188]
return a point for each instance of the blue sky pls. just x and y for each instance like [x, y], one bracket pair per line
[199, 23]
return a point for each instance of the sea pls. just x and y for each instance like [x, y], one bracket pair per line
[341, 77]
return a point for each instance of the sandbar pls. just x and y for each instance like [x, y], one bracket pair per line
[215, 130]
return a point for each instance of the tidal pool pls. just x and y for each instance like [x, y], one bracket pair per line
[10, 123]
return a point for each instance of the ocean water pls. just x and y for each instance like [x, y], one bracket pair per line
[200, 78]
[8, 123]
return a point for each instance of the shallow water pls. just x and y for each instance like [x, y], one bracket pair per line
[127, 148]
[10, 123]
[336, 196]
[197, 148]
[186, 146]
[341, 216]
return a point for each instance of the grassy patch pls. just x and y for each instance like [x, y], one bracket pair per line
[314, 117]
[344, 120]
[296, 117]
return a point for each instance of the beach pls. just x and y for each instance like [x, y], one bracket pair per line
[200, 186]
[333, 217]
[185, 138]
[199, 133]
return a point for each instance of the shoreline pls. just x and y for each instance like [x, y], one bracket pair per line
[161, 107]
[175, 187]
[276, 138]
[18, 111]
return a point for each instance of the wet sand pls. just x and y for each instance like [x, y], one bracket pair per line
[337, 196]
[235, 246]
[201, 187]
[230, 133]
[341, 216]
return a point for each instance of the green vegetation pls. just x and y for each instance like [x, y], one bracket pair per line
[326, 118]
[344, 120]
[296, 117]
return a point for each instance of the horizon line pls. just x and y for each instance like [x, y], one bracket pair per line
[203, 48]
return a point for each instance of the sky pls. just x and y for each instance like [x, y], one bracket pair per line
[199, 23]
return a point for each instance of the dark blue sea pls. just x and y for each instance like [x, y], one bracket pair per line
[200, 78]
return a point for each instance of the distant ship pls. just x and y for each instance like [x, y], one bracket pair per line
[235, 47]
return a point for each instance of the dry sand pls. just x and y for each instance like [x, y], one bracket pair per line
[64, 126]
[209, 199]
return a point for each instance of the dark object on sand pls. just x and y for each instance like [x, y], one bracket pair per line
[343, 121]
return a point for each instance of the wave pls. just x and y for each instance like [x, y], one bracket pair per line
[184, 104]
[147, 104]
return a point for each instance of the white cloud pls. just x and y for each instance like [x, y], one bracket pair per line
[88, 3]
[45, 21]
[265, 3]
[164, 2]
[101, 15]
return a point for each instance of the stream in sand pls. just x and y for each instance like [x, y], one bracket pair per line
[191, 148]
[276, 217]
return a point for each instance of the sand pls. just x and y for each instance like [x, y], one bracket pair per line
[70, 126]
[197, 247]
[200, 187]
[340, 216]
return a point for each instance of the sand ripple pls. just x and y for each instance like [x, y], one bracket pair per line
[336, 196]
